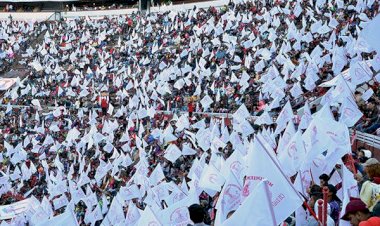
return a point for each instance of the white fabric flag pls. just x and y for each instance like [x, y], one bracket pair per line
[65, 219]
[229, 199]
[148, 218]
[183, 123]
[264, 119]
[257, 209]
[60, 202]
[157, 175]
[245, 128]
[289, 132]
[325, 134]
[211, 178]
[350, 189]
[241, 113]
[172, 153]
[199, 125]
[73, 134]
[368, 94]
[371, 33]
[306, 117]
[235, 164]
[349, 113]
[36, 103]
[131, 192]
[293, 156]
[176, 214]
[360, 72]
[187, 150]
[262, 165]
[115, 214]
[133, 214]
[206, 102]
[296, 90]
[285, 116]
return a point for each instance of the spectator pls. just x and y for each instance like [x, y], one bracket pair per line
[370, 191]
[357, 212]
[197, 214]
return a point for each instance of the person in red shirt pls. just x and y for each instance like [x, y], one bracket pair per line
[190, 107]
[104, 104]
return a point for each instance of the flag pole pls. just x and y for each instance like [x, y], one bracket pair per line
[283, 174]
[325, 194]
[352, 163]
[267, 194]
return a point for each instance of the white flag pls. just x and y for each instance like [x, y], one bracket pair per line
[229, 199]
[262, 165]
[350, 189]
[148, 218]
[241, 113]
[133, 214]
[60, 202]
[306, 117]
[285, 116]
[257, 209]
[157, 175]
[187, 150]
[211, 178]
[360, 72]
[65, 219]
[349, 113]
[206, 102]
[172, 153]
[264, 119]
[290, 131]
[371, 33]
[293, 156]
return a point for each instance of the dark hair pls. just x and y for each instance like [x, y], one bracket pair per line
[315, 189]
[197, 213]
[316, 195]
[324, 177]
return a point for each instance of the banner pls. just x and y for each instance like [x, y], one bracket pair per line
[12, 210]
[6, 83]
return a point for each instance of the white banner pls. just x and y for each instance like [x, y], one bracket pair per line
[10, 211]
[6, 83]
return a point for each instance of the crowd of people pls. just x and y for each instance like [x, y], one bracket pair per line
[115, 123]
[14, 38]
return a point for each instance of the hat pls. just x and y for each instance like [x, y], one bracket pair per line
[370, 162]
[367, 153]
[354, 206]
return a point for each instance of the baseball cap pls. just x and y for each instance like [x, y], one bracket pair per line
[354, 206]
[371, 161]
[367, 153]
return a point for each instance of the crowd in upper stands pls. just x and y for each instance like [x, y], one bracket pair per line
[89, 128]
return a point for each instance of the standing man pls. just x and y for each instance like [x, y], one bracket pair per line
[191, 107]
[104, 103]
[359, 215]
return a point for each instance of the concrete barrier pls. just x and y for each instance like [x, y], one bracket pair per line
[41, 16]
[28, 16]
